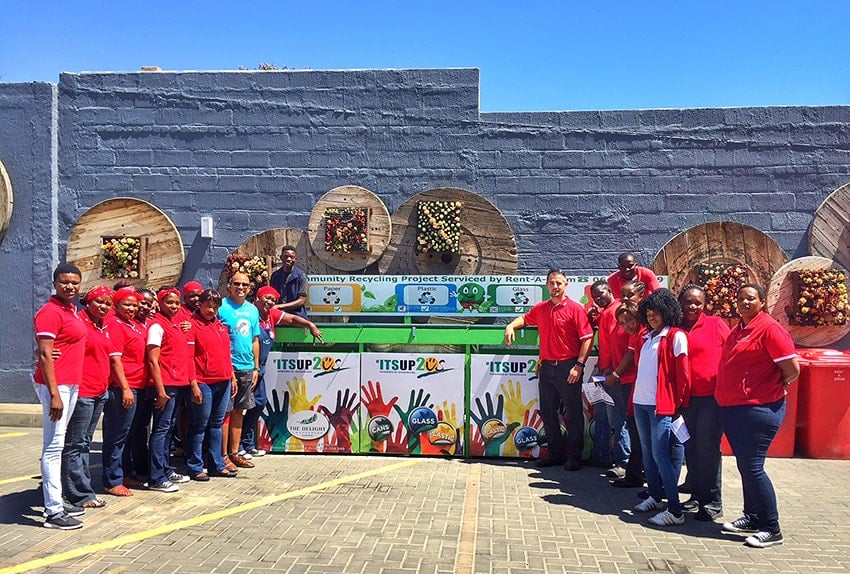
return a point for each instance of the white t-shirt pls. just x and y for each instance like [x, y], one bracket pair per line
[155, 334]
[646, 384]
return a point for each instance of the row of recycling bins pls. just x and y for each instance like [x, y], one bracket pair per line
[817, 416]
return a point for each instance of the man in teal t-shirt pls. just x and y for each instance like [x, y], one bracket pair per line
[243, 323]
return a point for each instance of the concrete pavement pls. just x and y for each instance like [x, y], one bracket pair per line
[309, 514]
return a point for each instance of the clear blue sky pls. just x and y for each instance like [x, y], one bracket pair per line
[533, 56]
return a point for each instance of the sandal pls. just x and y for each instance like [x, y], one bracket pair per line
[119, 490]
[96, 503]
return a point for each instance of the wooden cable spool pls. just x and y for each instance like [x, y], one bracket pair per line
[718, 242]
[162, 256]
[6, 200]
[378, 234]
[829, 236]
[487, 243]
[780, 298]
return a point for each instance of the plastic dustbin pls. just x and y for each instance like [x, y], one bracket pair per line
[823, 415]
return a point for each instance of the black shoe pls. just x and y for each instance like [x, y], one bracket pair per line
[705, 515]
[764, 539]
[572, 464]
[62, 521]
[690, 504]
[616, 471]
[626, 483]
[741, 525]
[547, 462]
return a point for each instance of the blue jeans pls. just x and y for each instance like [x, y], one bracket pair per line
[702, 452]
[53, 441]
[252, 417]
[205, 419]
[116, 427]
[162, 433]
[136, 460]
[750, 430]
[662, 455]
[617, 422]
[601, 434]
[76, 475]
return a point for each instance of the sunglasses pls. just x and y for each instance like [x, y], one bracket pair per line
[236, 284]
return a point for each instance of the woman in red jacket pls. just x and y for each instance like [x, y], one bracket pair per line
[758, 363]
[211, 385]
[662, 387]
[706, 336]
[168, 357]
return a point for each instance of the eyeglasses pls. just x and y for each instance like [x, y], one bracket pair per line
[235, 284]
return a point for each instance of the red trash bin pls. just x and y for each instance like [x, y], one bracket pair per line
[823, 424]
[783, 443]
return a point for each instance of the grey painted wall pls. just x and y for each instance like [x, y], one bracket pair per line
[26, 130]
[256, 149]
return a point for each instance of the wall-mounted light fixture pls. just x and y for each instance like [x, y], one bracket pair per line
[207, 227]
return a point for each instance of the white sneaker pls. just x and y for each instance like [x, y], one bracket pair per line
[178, 478]
[764, 539]
[245, 454]
[257, 452]
[667, 518]
[166, 486]
[648, 504]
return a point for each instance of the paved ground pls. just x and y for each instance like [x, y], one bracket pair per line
[384, 515]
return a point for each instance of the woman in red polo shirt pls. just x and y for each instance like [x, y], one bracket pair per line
[125, 392]
[758, 362]
[99, 356]
[706, 336]
[211, 386]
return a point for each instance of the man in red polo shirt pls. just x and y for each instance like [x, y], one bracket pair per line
[565, 340]
[627, 270]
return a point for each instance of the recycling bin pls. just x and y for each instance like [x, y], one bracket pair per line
[823, 417]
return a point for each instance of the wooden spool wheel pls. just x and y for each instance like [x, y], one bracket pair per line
[487, 243]
[780, 299]
[378, 230]
[161, 256]
[718, 242]
[6, 200]
[829, 236]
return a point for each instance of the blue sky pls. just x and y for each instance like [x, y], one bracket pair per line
[533, 56]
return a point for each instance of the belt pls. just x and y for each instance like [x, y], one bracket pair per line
[559, 362]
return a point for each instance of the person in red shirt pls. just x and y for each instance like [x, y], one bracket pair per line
[101, 356]
[758, 363]
[56, 382]
[706, 336]
[627, 340]
[565, 341]
[212, 385]
[662, 387]
[629, 270]
[610, 420]
[191, 297]
[169, 356]
[128, 336]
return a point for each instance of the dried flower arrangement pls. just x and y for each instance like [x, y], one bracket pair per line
[721, 282]
[819, 299]
[438, 226]
[120, 257]
[346, 229]
[254, 267]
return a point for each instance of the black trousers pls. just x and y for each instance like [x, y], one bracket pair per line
[554, 389]
[702, 452]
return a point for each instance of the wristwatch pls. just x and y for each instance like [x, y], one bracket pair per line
[615, 374]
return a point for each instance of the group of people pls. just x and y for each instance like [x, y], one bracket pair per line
[668, 366]
[173, 366]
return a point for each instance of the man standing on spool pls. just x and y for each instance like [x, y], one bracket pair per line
[628, 270]
[565, 341]
[291, 282]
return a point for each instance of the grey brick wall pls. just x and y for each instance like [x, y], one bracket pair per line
[256, 149]
[26, 257]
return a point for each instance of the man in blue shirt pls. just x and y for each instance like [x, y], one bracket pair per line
[243, 323]
[291, 282]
